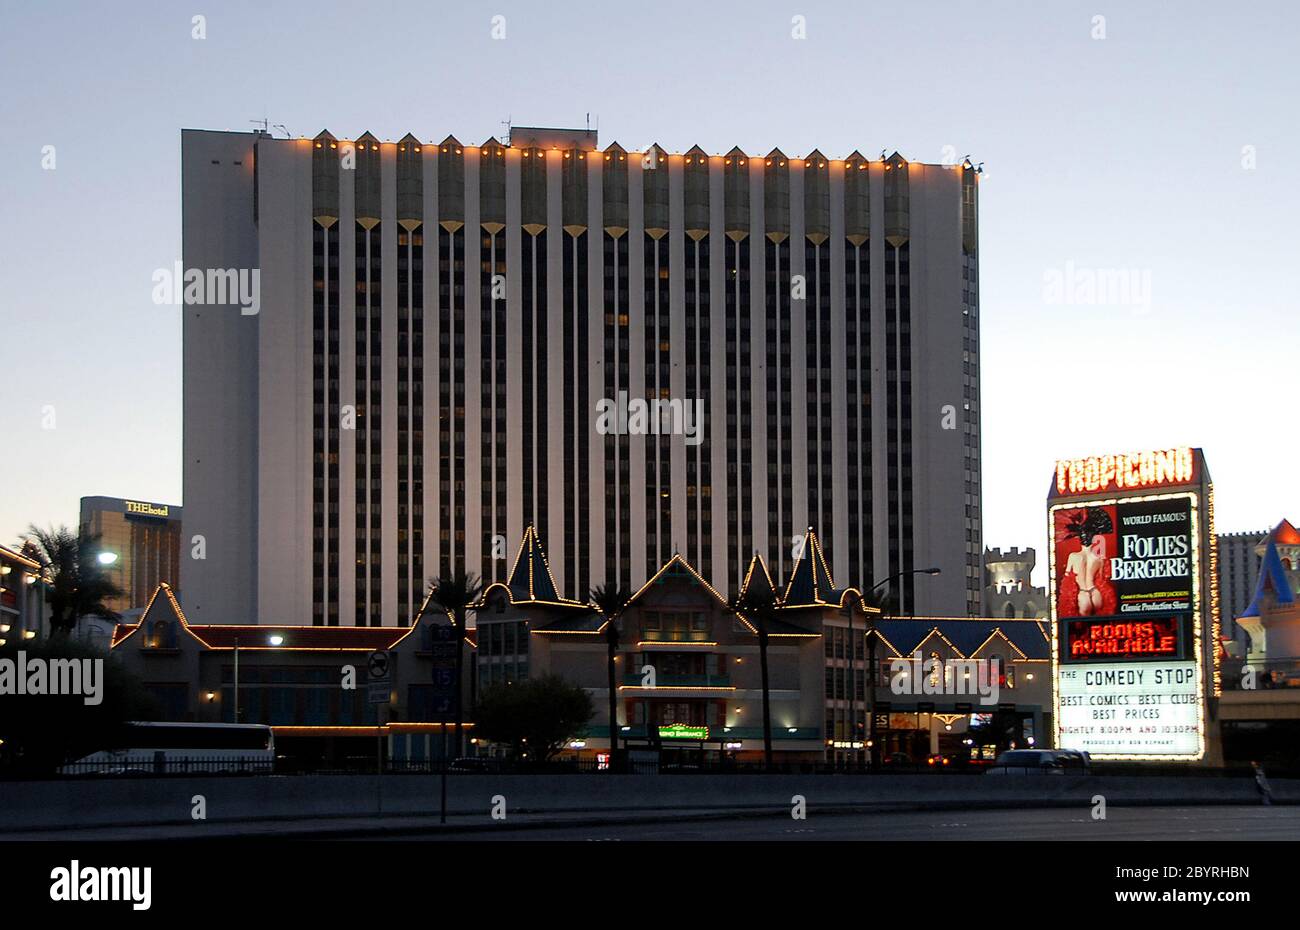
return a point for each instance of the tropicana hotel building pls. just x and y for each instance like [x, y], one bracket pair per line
[439, 324]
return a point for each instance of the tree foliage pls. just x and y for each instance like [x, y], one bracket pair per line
[611, 599]
[40, 732]
[457, 594]
[534, 718]
[79, 586]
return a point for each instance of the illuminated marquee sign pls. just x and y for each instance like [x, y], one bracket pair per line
[682, 731]
[1130, 709]
[1126, 471]
[1127, 556]
[1126, 577]
[147, 510]
[1116, 640]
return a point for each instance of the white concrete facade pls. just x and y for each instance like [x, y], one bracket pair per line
[257, 445]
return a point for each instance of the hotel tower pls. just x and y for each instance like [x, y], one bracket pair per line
[439, 324]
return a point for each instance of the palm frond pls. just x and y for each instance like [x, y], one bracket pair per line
[610, 599]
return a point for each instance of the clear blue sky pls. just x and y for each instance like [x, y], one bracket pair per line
[1120, 153]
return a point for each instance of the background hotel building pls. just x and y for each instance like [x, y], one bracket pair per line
[389, 416]
[146, 540]
[1239, 555]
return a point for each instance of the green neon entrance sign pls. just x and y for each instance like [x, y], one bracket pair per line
[682, 731]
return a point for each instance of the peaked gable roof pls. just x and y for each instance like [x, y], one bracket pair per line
[810, 583]
[530, 580]
[1285, 534]
[967, 636]
[680, 568]
[257, 636]
[1272, 581]
[758, 580]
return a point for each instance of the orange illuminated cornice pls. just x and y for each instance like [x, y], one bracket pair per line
[384, 730]
[269, 629]
[676, 688]
[667, 643]
[11, 555]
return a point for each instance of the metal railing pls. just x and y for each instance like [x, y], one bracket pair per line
[665, 680]
[142, 766]
[669, 765]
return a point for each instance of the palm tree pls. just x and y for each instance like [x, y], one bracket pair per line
[456, 594]
[78, 585]
[610, 599]
[759, 605]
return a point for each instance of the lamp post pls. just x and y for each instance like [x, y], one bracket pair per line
[871, 656]
[236, 679]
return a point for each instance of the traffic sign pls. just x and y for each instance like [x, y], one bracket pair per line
[380, 668]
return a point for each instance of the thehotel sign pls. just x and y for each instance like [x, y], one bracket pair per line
[1129, 536]
[146, 510]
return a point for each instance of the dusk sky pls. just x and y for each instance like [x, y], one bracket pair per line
[1158, 151]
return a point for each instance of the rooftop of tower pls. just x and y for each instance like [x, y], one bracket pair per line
[563, 139]
[550, 137]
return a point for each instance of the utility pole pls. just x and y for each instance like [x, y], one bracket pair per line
[853, 704]
[236, 679]
[871, 690]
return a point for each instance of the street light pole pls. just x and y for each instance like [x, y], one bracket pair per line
[853, 703]
[873, 750]
[236, 679]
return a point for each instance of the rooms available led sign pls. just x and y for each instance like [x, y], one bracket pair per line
[1125, 577]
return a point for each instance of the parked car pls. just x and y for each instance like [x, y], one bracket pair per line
[1075, 761]
[1027, 762]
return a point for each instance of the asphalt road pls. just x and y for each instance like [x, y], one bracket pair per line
[1122, 823]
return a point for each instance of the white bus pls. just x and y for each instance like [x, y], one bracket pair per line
[177, 748]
